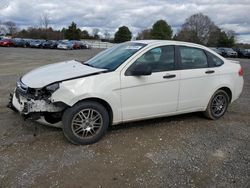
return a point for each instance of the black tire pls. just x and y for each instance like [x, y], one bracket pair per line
[215, 110]
[77, 113]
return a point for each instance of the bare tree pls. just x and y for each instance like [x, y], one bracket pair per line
[11, 27]
[107, 35]
[144, 34]
[231, 33]
[95, 33]
[214, 37]
[196, 28]
[44, 20]
[2, 28]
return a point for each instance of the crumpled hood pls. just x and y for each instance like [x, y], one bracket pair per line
[48, 74]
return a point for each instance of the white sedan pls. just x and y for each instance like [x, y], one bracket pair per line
[131, 81]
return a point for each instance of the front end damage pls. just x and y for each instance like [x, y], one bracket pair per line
[36, 104]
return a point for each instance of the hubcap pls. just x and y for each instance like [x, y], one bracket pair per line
[219, 105]
[86, 123]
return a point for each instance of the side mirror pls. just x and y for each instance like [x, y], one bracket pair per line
[141, 70]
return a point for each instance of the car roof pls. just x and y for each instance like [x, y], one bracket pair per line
[167, 42]
[174, 42]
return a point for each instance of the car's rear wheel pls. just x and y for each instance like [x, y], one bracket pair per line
[85, 122]
[218, 105]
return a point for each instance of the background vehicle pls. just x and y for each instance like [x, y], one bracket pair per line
[51, 44]
[6, 42]
[68, 45]
[228, 52]
[84, 45]
[128, 82]
[36, 43]
[242, 53]
[20, 42]
[76, 44]
[217, 51]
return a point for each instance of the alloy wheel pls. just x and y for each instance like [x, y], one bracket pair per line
[86, 123]
[219, 105]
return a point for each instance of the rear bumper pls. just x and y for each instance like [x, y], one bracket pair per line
[238, 88]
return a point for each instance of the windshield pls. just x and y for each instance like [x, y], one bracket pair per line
[113, 57]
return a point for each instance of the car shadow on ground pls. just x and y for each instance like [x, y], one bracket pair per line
[161, 121]
[38, 128]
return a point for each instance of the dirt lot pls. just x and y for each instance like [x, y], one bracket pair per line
[179, 151]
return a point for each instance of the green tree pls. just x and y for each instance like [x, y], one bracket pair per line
[226, 39]
[73, 33]
[219, 38]
[161, 30]
[123, 34]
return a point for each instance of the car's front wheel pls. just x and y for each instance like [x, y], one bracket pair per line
[85, 123]
[218, 105]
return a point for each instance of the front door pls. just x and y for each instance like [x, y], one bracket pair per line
[151, 95]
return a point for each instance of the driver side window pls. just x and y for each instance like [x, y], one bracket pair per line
[158, 59]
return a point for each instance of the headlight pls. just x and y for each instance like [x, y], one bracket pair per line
[52, 87]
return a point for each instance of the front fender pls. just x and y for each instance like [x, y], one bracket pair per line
[73, 91]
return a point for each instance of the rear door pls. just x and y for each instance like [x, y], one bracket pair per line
[198, 78]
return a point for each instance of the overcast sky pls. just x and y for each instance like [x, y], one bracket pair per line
[136, 14]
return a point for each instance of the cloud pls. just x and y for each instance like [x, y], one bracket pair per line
[137, 15]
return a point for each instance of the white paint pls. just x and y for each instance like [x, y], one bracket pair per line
[140, 97]
[47, 74]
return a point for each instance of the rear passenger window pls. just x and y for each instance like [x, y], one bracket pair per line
[192, 58]
[216, 61]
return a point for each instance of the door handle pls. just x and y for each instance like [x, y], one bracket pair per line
[209, 72]
[167, 76]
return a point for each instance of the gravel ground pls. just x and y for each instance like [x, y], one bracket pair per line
[179, 151]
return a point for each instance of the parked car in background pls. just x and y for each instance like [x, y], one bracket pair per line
[228, 52]
[76, 44]
[242, 53]
[80, 44]
[131, 81]
[216, 50]
[51, 44]
[18, 42]
[66, 45]
[36, 43]
[84, 45]
[6, 43]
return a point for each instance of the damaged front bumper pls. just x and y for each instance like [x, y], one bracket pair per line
[34, 109]
[28, 105]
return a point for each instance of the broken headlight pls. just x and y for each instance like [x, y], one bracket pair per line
[52, 87]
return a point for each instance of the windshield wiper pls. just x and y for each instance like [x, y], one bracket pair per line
[83, 62]
[88, 64]
[79, 61]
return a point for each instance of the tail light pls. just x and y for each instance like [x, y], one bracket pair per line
[241, 72]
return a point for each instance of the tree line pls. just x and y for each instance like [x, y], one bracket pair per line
[197, 28]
